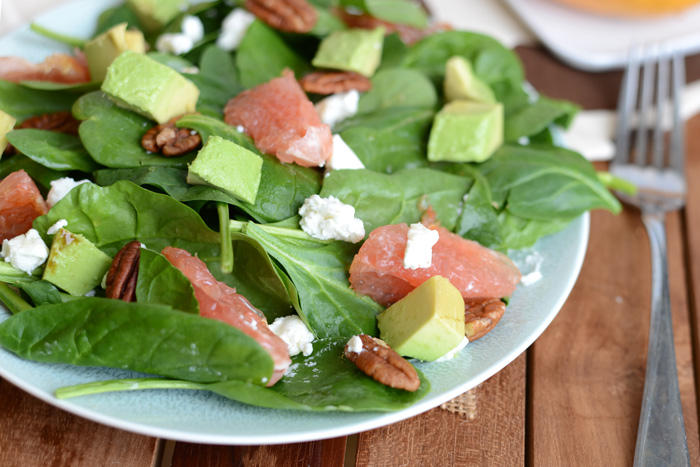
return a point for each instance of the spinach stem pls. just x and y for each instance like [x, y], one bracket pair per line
[240, 226]
[226, 244]
[616, 183]
[116, 385]
[68, 40]
[11, 300]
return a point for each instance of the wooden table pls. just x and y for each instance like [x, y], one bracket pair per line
[573, 399]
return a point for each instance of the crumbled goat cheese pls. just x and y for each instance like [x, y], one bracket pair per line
[355, 345]
[57, 226]
[174, 43]
[90, 293]
[192, 27]
[419, 247]
[452, 353]
[330, 219]
[343, 157]
[337, 107]
[533, 262]
[292, 330]
[233, 29]
[60, 188]
[25, 252]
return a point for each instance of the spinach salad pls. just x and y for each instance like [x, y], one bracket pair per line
[528, 188]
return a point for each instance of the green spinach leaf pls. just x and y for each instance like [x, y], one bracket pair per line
[394, 11]
[217, 81]
[161, 283]
[22, 102]
[52, 149]
[398, 87]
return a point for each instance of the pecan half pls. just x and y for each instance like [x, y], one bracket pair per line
[383, 364]
[63, 122]
[170, 140]
[285, 15]
[481, 316]
[122, 275]
[330, 82]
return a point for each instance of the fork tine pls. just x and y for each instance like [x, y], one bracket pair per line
[662, 90]
[625, 106]
[648, 72]
[677, 150]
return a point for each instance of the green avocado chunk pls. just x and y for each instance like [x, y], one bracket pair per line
[156, 91]
[102, 50]
[75, 264]
[7, 124]
[427, 323]
[465, 131]
[461, 83]
[358, 50]
[225, 165]
[154, 14]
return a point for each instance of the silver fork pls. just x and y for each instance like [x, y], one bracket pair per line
[659, 176]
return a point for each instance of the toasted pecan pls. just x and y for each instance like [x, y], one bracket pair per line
[331, 82]
[285, 15]
[170, 140]
[383, 364]
[481, 316]
[123, 274]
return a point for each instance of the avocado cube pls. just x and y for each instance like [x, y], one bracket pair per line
[7, 124]
[154, 14]
[139, 83]
[225, 165]
[75, 264]
[461, 83]
[103, 49]
[427, 323]
[465, 131]
[358, 50]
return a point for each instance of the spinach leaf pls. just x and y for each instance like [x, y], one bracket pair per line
[322, 382]
[545, 183]
[73, 88]
[478, 220]
[112, 135]
[217, 81]
[393, 52]
[519, 232]
[535, 118]
[111, 216]
[39, 173]
[148, 338]
[319, 272]
[394, 11]
[326, 23]
[41, 292]
[262, 55]
[117, 15]
[381, 199]
[13, 276]
[159, 282]
[52, 149]
[389, 140]
[22, 102]
[175, 62]
[398, 87]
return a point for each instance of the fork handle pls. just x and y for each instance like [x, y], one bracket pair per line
[661, 439]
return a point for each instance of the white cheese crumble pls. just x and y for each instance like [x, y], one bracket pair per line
[343, 157]
[192, 27]
[57, 226]
[533, 262]
[452, 353]
[419, 247]
[25, 252]
[292, 330]
[355, 345]
[233, 29]
[174, 43]
[60, 188]
[330, 219]
[90, 293]
[337, 107]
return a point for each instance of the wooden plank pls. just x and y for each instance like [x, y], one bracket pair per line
[33, 432]
[496, 435]
[587, 369]
[330, 453]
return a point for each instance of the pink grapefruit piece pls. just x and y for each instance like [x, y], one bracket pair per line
[20, 204]
[57, 68]
[478, 272]
[282, 121]
[221, 302]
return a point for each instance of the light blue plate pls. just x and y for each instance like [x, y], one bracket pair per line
[202, 417]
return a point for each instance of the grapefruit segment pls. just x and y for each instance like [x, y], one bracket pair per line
[221, 302]
[477, 272]
[20, 204]
[57, 68]
[282, 121]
